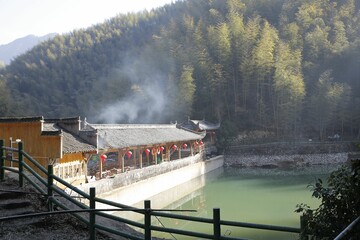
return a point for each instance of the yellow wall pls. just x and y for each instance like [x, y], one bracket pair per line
[70, 157]
[42, 148]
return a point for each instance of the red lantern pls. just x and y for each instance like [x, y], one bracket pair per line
[201, 143]
[128, 154]
[103, 158]
[147, 152]
[184, 146]
[162, 149]
[174, 147]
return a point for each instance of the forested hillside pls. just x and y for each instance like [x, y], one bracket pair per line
[288, 66]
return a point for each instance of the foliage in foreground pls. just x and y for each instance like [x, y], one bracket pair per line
[340, 204]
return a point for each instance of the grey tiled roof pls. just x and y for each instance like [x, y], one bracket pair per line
[21, 119]
[199, 125]
[205, 125]
[71, 143]
[122, 136]
[49, 127]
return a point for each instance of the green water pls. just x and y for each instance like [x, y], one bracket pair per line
[256, 195]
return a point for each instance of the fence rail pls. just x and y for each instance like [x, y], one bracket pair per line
[90, 215]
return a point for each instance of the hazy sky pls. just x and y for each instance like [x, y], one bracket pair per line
[19, 18]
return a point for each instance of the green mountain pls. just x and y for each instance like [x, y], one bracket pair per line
[288, 66]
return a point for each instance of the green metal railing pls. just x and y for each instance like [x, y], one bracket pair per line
[91, 216]
[348, 229]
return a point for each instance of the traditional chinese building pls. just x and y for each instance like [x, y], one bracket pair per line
[77, 148]
[207, 128]
[124, 147]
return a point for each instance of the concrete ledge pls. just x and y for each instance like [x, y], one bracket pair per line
[129, 188]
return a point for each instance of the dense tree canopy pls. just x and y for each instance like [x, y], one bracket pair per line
[287, 66]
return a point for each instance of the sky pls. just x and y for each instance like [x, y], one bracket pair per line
[19, 18]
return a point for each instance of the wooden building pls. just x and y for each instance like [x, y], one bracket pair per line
[77, 148]
[50, 141]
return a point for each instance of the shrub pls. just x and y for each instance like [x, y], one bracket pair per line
[340, 204]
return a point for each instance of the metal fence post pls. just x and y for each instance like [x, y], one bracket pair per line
[49, 187]
[2, 170]
[147, 219]
[303, 228]
[21, 159]
[217, 227]
[92, 214]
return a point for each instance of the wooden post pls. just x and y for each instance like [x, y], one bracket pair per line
[179, 151]
[148, 158]
[147, 220]
[120, 160]
[140, 156]
[92, 214]
[21, 159]
[191, 149]
[217, 226]
[155, 156]
[101, 166]
[49, 187]
[168, 152]
[2, 170]
[122, 163]
[135, 156]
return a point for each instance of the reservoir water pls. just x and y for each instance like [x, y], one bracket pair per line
[255, 195]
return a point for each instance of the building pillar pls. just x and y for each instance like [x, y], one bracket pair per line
[167, 152]
[191, 149]
[140, 156]
[119, 159]
[179, 151]
[155, 157]
[122, 163]
[135, 157]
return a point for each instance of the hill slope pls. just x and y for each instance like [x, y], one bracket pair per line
[287, 66]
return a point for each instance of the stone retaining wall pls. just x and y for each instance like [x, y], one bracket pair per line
[248, 160]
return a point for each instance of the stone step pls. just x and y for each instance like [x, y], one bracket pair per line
[10, 194]
[17, 211]
[14, 203]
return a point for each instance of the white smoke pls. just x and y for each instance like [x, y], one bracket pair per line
[142, 107]
[147, 101]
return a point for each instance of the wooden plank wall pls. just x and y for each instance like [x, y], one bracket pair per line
[41, 148]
